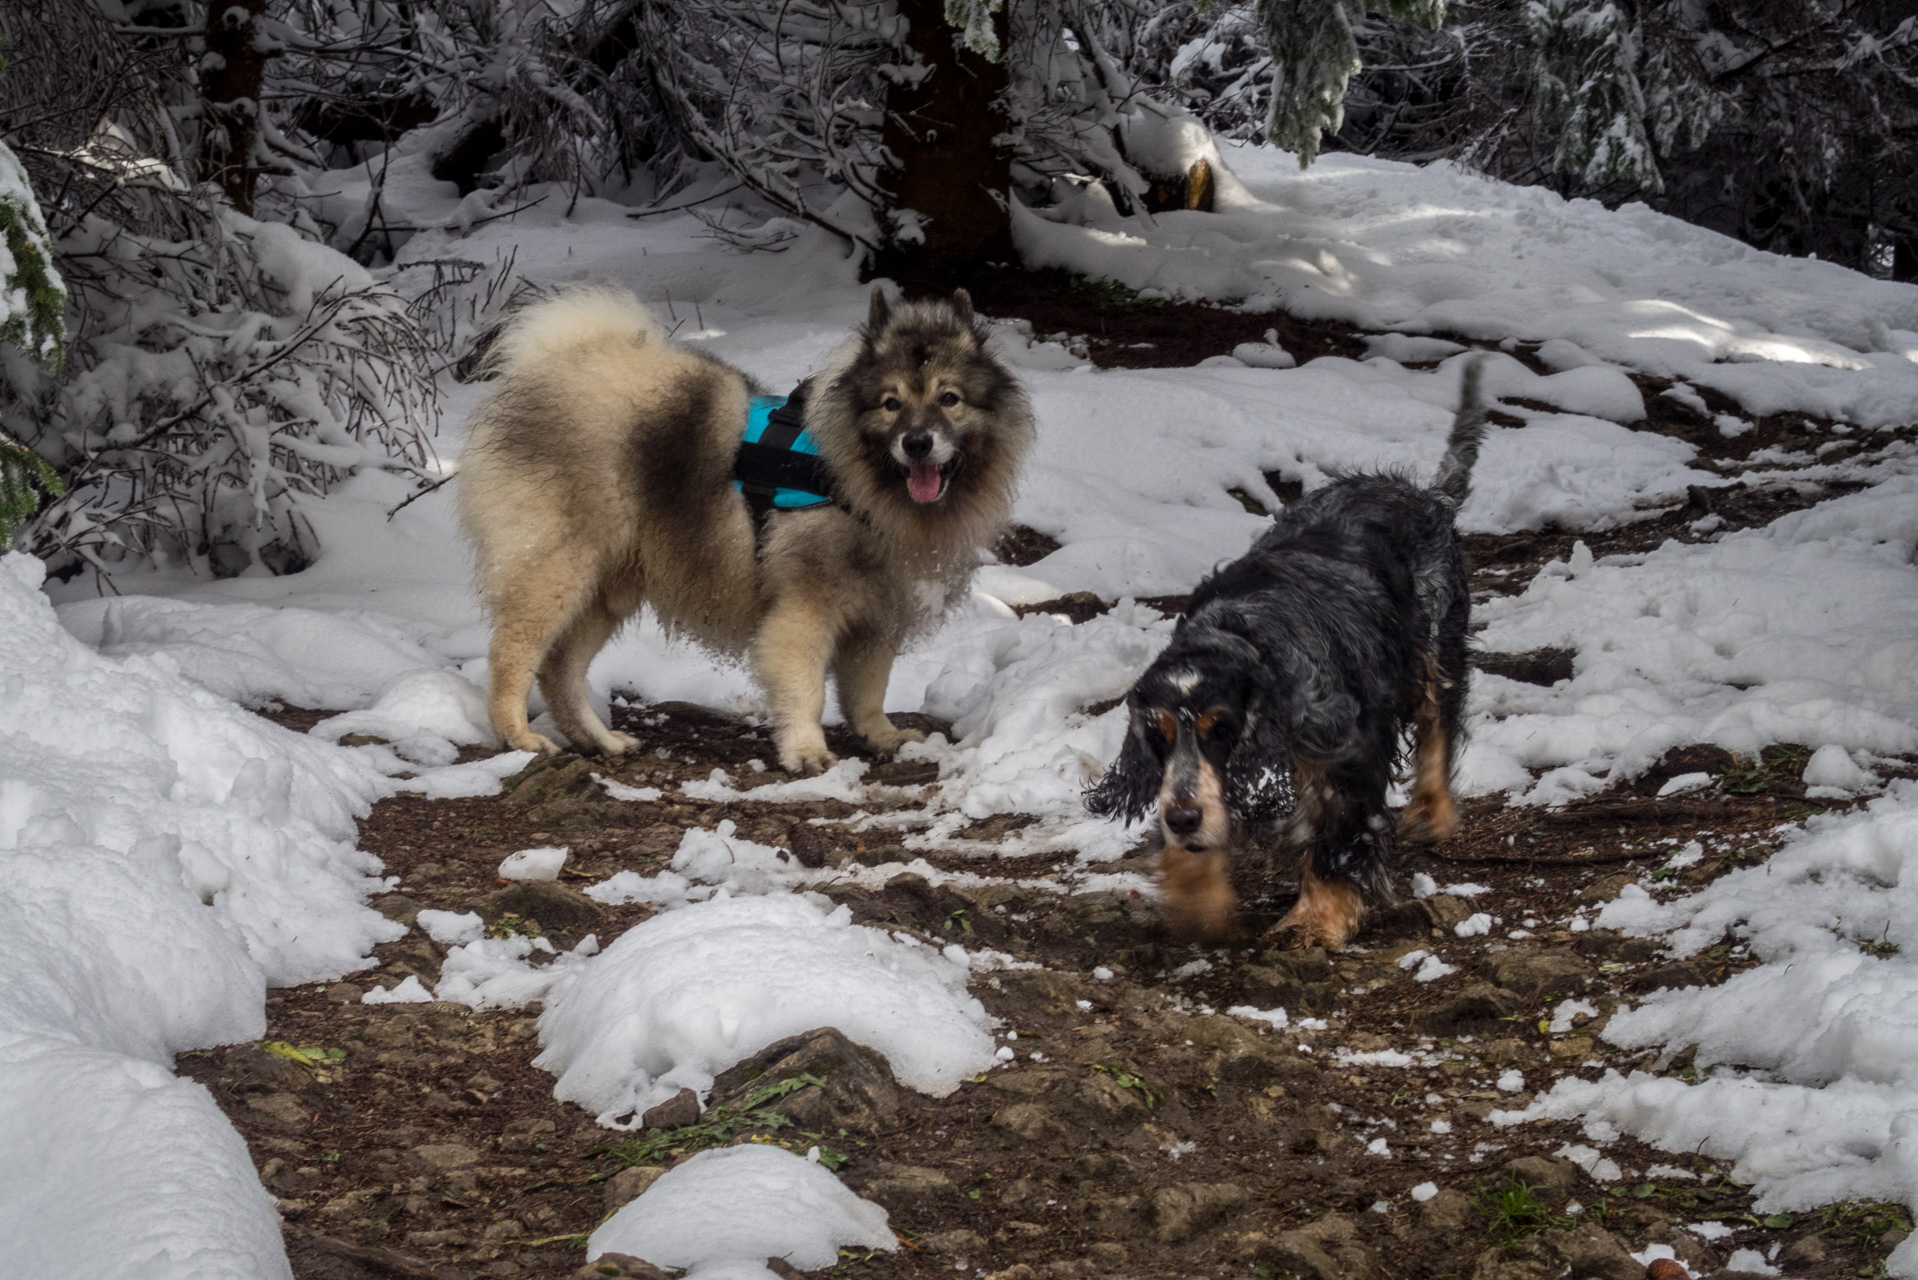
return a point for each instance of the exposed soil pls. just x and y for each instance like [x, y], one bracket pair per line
[1140, 1131]
[1119, 332]
[420, 1140]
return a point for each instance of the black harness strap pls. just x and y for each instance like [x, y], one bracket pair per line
[770, 464]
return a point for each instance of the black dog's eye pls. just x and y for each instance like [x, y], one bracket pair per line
[948, 398]
[1216, 723]
[890, 404]
[1167, 726]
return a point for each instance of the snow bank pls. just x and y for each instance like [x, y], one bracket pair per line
[1132, 468]
[1805, 631]
[122, 753]
[725, 1212]
[1018, 696]
[253, 654]
[1434, 248]
[676, 1000]
[427, 714]
[1815, 1092]
[167, 856]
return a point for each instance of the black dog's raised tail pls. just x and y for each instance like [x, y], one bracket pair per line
[1454, 480]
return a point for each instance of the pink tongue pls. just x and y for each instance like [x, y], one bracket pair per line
[924, 482]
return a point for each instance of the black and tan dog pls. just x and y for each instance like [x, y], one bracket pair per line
[1288, 688]
[601, 476]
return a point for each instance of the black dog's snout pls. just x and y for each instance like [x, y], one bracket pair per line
[917, 445]
[1183, 820]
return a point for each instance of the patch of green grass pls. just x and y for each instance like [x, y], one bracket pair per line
[721, 1124]
[511, 926]
[1745, 777]
[323, 1062]
[1512, 1210]
[1128, 1078]
[1857, 1222]
[1788, 756]
[1884, 948]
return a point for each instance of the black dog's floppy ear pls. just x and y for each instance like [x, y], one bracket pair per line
[879, 313]
[1131, 785]
[1258, 777]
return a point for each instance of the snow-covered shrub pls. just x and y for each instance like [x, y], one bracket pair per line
[788, 97]
[33, 301]
[221, 379]
[221, 372]
[1211, 59]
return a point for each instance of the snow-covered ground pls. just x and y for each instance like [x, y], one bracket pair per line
[169, 856]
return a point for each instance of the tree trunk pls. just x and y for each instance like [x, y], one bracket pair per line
[949, 181]
[232, 71]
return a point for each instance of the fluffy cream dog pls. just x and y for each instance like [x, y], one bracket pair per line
[599, 477]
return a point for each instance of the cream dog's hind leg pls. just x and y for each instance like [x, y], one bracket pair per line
[790, 654]
[862, 668]
[531, 612]
[562, 678]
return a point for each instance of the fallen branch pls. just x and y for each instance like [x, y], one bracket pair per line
[417, 494]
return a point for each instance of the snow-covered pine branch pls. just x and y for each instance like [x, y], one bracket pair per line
[32, 297]
[32, 321]
[1315, 52]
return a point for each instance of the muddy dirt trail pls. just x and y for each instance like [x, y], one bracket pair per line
[1140, 1129]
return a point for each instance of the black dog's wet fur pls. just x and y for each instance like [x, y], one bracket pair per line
[1315, 645]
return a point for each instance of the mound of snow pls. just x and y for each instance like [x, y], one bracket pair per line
[167, 855]
[1804, 631]
[725, 1212]
[253, 654]
[709, 862]
[676, 1000]
[1832, 767]
[1018, 695]
[427, 714]
[1823, 1105]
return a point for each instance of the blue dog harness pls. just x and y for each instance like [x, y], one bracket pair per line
[778, 466]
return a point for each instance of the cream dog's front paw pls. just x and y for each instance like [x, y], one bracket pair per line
[884, 735]
[807, 758]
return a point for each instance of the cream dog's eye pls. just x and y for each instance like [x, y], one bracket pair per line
[891, 404]
[948, 398]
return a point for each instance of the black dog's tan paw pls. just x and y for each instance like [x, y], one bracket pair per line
[1327, 914]
[1428, 820]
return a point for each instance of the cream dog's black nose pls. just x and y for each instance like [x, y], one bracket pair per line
[917, 445]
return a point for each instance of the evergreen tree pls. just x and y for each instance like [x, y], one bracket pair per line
[32, 319]
[1315, 52]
